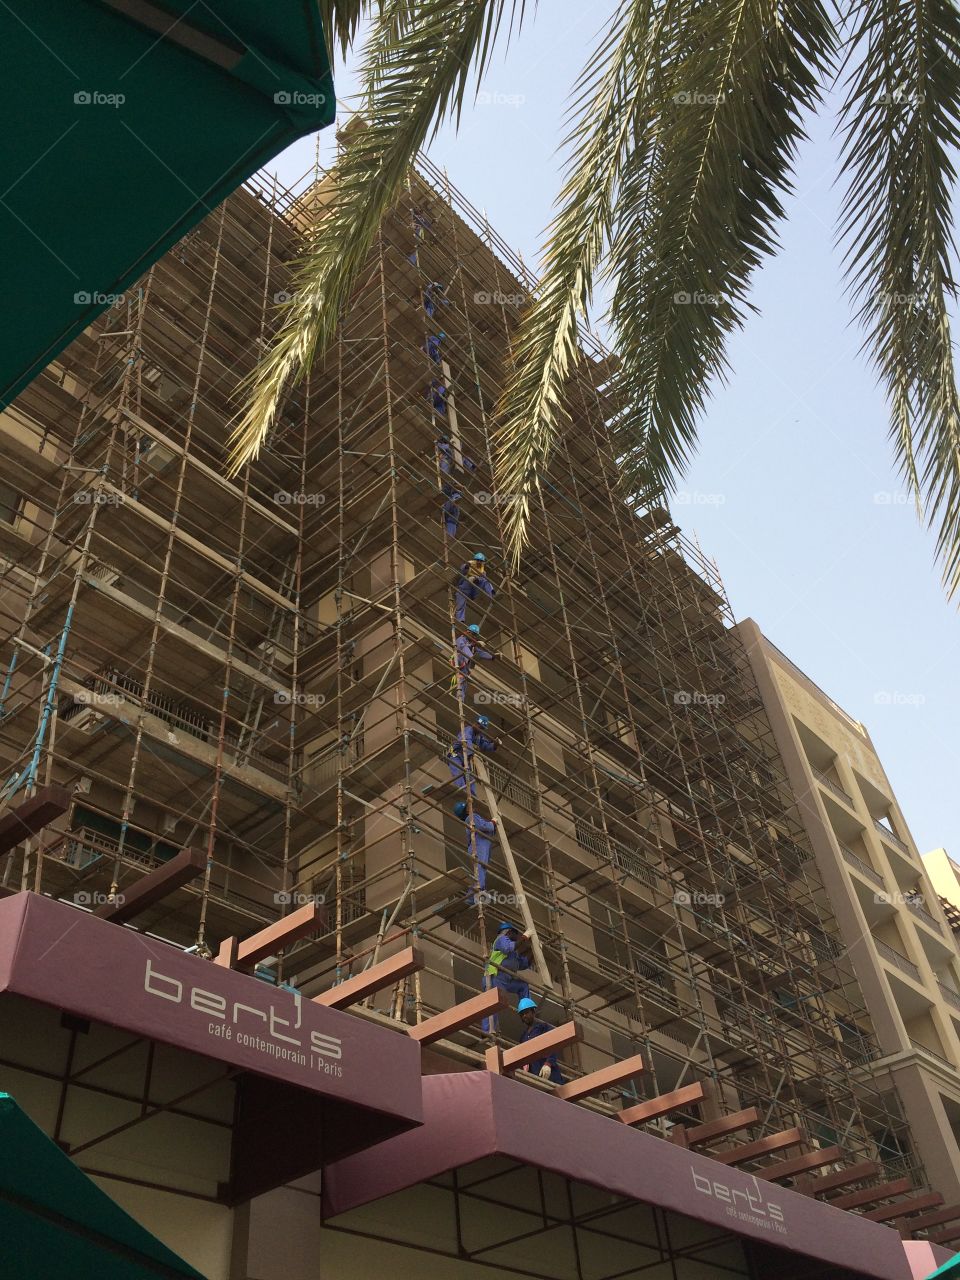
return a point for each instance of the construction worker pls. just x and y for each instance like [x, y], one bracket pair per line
[468, 650]
[507, 956]
[432, 345]
[547, 1068]
[433, 296]
[436, 393]
[421, 223]
[471, 738]
[471, 580]
[444, 453]
[451, 513]
[480, 835]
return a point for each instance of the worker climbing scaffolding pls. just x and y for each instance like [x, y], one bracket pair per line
[470, 738]
[434, 295]
[481, 833]
[432, 345]
[508, 955]
[467, 651]
[472, 580]
[436, 393]
[451, 510]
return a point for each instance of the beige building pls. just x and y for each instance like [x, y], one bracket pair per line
[885, 897]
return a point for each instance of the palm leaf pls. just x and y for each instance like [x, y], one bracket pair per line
[901, 121]
[419, 60]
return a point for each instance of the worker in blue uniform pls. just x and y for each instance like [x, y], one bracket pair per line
[471, 581]
[468, 650]
[432, 346]
[480, 836]
[471, 738]
[547, 1068]
[433, 296]
[507, 955]
[444, 453]
[436, 393]
[451, 512]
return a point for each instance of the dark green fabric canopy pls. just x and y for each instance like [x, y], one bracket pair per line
[55, 1222]
[949, 1269]
[125, 123]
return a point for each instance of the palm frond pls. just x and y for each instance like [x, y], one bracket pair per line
[610, 115]
[901, 124]
[699, 215]
[419, 61]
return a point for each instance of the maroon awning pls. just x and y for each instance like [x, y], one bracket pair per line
[473, 1115]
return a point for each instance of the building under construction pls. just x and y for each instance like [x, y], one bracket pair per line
[263, 670]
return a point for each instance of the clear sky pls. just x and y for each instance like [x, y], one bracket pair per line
[793, 492]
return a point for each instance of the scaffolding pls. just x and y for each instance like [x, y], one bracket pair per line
[262, 669]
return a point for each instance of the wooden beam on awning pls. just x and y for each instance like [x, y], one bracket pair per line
[662, 1104]
[541, 1046]
[187, 865]
[246, 952]
[371, 980]
[461, 1015]
[800, 1164]
[947, 1214]
[928, 1200]
[870, 1195]
[711, 1129]
[753, 1150]
[605, 1078]
[26, 819]
[821, 1184]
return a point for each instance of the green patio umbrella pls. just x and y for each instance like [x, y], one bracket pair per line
[55, 1222]
[127, 121]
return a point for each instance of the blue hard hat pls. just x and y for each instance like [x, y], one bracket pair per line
[525, 1004]
[478, 555]
[483, 721]
[460, 808]
[441, 334]
[504, 925]
[475, 628]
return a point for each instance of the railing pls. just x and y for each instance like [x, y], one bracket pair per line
[510, 787]
[952, 997]
[623, 857]
[862, 867]
[924, 915]
[932, 1052]
[835, 788]
[892, 837]
[899, 961]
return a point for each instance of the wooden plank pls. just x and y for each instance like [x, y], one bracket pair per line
[461, 1015]
[945, 1237]
[723, 1125]
[227, 955]
[541, 1046]
[29, 817]
[870, 1195]
[946, 1214]
[799, 1164]
[820, 1185]
[929, 1200]
[155, 885]
[480, 769]
[751, 1150]
[605, 1078]
[291, 928]
[663, 1104]
[378, 976]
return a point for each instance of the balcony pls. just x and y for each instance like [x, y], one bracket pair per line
[894, 839]
[922, 1048]
[949, 995]
[835, 787]
[893, 956]
[923, 914]
[861, 866]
